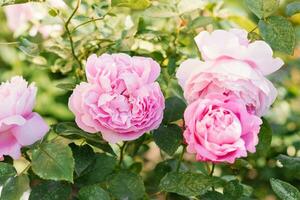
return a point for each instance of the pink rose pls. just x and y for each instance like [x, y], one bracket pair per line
[19, 126]
[234, 44]
[19, 16]
[219, 128]
[121, 99]
[232, 66]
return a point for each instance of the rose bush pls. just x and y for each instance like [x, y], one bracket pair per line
[148, 99]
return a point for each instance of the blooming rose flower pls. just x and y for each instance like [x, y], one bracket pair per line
[232, 65]
[121, 99]
[219, 128]
[234, 44]
[19, 126]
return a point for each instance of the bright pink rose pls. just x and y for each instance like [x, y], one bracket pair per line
[121, 99]
[232, 66]
[19, 126]
[220, 129]
[234, 44]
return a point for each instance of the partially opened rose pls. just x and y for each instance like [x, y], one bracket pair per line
[121, 99]
[232, 65]
[220, 129]
[19, 125]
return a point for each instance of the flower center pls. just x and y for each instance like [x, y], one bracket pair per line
[220, 126]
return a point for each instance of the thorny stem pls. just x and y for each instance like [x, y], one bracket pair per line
[69, 33]
[87, 22]
[122, 148]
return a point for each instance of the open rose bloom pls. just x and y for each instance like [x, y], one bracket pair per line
[121, 98]
[227, 93]
[19, 125]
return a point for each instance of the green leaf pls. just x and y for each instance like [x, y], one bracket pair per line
[291, 164]
[14, 188]
[51, 190]
[172, 64]
[53, 161]
[284, 190]
[98, 171]
[200, 22]
[168, 138]
[133, 4]
[162, 10]
[262, 8]
[93, 192]
[11, 2]
[187, 183]
[28, 47]
[174, 109]
[279, 33]
[6, 171]
[84, 157]
[265, 138]
[292, 8]
[66, 86]
[126, 185]
[212, 195]
[233, 190]
[70, 130]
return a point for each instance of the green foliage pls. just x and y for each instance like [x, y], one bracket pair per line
[133, 4]
[174, 109]
[233, 190]
[72, 164]
[291, 164]
[14, 187]
[168, 138]
[262, 8]
[126, 185]
[93, 192]
[6, 171]
[53, 161]
[265, 138]
[51, 190]
[187, 183]
[97, 172]
[84, 156]
[284, 190]
[279, 33]
[71, 131]
[292, 8]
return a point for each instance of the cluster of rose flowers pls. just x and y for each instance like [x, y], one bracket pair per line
[226, 93]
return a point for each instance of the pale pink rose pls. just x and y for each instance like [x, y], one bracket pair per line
[234, 44]
[227, 76]
[219, 128]
[19, 126]
[20, 16]
[121, 99]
